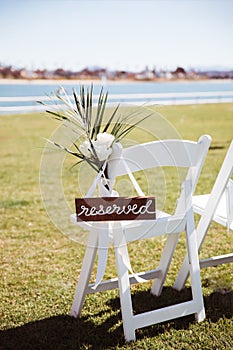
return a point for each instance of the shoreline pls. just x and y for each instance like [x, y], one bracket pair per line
[103, 82]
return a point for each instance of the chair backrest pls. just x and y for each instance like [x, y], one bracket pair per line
[163, 153]
[222, 184]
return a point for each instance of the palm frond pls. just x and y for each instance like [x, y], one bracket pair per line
[97, 117]
[78, 105]
[110, 120]
[128, 129]
[101, 114]
[89, 108]
[86, 121]
[63, 148]
[58, 115]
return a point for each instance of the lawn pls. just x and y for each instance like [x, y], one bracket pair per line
[40, 265]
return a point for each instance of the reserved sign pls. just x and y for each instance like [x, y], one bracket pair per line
[115, 208]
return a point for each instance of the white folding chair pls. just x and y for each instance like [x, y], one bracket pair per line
[216, 206]
[165, 153]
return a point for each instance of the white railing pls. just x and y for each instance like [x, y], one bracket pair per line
[169, 98]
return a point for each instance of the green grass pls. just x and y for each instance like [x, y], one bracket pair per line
[40, 265]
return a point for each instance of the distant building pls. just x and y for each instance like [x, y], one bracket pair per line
[146, 74]
[179, 73]
[92, 73]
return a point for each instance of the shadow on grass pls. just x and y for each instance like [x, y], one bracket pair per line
[65, 332]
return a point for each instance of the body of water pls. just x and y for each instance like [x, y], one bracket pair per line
[22, 96]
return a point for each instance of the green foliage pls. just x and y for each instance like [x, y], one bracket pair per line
[40, 266]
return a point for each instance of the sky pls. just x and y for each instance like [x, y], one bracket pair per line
[116, 34]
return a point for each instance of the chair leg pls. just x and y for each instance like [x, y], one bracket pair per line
[124, 286]
[194, 267]
[164, 264]
[200, 316]
[85, 275]
[182, 275]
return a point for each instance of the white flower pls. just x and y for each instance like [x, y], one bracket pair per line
[102, 146]
[85, 149]
[105, 139]
[102, 151]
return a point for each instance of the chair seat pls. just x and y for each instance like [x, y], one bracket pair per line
[135, 229]
[220, 216]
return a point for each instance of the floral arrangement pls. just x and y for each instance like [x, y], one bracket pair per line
[94, 133]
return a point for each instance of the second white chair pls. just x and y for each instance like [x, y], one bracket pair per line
[216, 206]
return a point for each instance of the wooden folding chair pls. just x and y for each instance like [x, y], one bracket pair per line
[216, 206]
[165, 153]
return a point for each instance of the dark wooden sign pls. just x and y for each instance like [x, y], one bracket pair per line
[115, 208]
